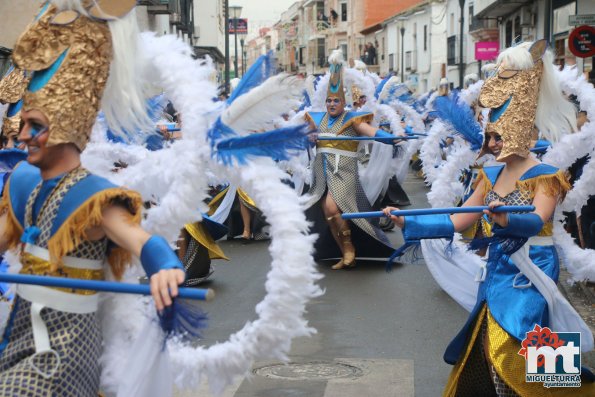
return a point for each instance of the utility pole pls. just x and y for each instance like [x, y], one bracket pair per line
[402, 54]
[235, 47]
[226, 47]
[461, 63]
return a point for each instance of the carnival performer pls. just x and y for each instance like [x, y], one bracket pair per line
[66, 221]
[12, 89]
[335, 182]
[517, 290]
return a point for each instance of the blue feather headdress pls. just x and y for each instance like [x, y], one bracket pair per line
[460, 116]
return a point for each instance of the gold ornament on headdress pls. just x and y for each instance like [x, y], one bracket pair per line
[335, 85]
[12, 89]
[70, 55]
[13, 86]
[356, 93]
[512, 96]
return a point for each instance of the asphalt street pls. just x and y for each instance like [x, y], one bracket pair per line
[379, 334]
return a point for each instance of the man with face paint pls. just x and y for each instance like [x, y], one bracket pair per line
[517, 288]
[65, 221]
[336, 185]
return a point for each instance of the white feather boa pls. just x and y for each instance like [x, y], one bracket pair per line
[470, 94]
[448, 188]
[580, 262]
[176, 179]
[430, 152]
[412, 118]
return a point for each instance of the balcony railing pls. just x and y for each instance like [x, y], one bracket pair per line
[482, 23]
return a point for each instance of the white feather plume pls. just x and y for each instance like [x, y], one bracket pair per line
[336, 58]
[256, 110]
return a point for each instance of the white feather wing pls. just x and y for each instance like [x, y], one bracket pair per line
[256, 110]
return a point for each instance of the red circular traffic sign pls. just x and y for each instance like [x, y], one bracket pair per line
[581, 41]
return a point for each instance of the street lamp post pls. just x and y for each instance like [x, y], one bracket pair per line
[402, 54]
[461, 64]
[242, 53]
[236, 11]
[226, 47]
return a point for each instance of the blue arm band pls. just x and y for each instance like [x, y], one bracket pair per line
[157, 255]
[384, 134]
[520, 225]
[428, 226]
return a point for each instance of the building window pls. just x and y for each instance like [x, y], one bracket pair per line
[321, 53]
[470, 13]
[451, 50]
[344, 12]
[343, 47]
[425, 37]
[452, 22]
[508, 34]
[391, 62]
[408, 60]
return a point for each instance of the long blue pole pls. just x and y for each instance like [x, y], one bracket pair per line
[438, 211]
[103, 286]
[365, 138]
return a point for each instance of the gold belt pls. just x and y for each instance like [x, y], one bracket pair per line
[349, 146]
[40, 267]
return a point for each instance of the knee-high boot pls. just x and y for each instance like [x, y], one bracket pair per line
[343, 235]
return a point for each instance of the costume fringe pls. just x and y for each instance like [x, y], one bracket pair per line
[90, 214]
[365, 118]
[12, 228]
[553, 185]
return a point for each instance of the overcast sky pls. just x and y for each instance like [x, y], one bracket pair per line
[261, 13]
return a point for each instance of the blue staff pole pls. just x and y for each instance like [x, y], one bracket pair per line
[438, 211]
[365, 138]
[103, 286]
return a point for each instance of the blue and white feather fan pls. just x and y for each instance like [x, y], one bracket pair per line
[279, 144]
[260, 70]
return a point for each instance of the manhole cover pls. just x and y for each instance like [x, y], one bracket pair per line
[309, 371]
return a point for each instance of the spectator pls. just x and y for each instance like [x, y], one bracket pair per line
[334, 16]
[371, 54]
[365, 55]
[322, 20]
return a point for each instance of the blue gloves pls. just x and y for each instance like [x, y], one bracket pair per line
[384, 134]
[428, 226]
[520, 225]
[157, 255]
